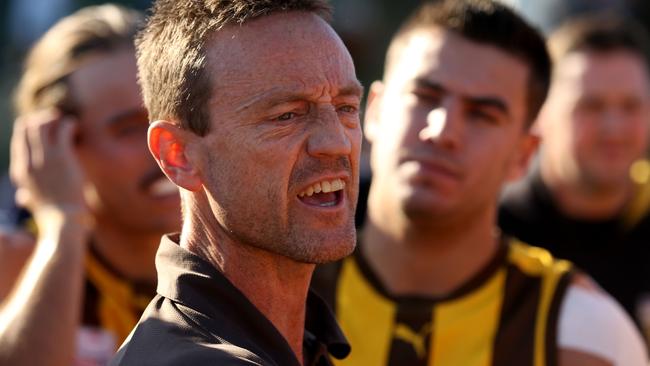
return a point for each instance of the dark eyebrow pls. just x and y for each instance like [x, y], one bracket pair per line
[125, 114]
[289, 95]
[489, 102]
[354, 88]
[428, 84]
[480, 101]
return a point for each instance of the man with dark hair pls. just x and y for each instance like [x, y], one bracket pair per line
[433, 281]
[256, 116]
[586, 199]
[99, 202]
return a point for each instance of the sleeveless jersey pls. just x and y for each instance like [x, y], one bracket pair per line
[506, 315]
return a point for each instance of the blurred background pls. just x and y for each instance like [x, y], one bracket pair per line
[364, 25]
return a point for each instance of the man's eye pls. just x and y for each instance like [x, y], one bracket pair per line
[426, 97]
[348, 109]
[591, 106]
[132, 129]
[285, 116]
[129, 128]
[483, 116]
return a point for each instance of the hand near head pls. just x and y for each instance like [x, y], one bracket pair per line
[44, 167]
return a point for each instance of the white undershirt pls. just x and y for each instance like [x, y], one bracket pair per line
[593, 322]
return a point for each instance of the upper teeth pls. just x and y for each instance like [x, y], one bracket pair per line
[324, 187]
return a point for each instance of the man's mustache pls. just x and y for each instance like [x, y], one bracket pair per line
[317, 167]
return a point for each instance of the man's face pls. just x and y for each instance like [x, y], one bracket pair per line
[125, 189]
[284, 114]
[595, 122]
[447, 128]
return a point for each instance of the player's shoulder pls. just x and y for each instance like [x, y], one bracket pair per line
[535, 261]
[164, 344]
[592, 324]
[186, 353]
[166, 336]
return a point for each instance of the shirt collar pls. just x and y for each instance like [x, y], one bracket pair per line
[188, 279]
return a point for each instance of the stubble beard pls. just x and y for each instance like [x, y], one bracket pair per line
[294, 236]
[303, 245]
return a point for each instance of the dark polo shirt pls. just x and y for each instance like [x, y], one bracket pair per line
[200, 318]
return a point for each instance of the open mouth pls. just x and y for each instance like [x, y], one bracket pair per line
[323, 194]
[162, 187]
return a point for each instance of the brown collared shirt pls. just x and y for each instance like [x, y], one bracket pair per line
[200, 318]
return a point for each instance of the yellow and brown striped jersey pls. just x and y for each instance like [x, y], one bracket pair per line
[506, 315]
[614, 250]
[111, 302]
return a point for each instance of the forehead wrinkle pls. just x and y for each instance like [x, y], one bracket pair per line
[239, 42]
[327, 87]
[298, 75]
[301, 90]
[260, 97]
[354, 88]
[277, 95]
[317, 78]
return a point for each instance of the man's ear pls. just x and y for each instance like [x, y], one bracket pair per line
[526, 149]
[167, 143]
[373, 106]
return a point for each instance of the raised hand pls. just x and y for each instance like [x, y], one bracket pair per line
[45, 168]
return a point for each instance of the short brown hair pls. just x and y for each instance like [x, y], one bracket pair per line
[485, 22]
[172, 57]
[67, 46]
[600, 33]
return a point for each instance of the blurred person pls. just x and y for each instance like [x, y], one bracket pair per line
[550, 14]
[256, 117]
[433, 281]
[581, 201]
[99, 203]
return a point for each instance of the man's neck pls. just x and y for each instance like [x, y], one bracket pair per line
[579, 201]
[429, 260]
[276, 285]
[132, 255]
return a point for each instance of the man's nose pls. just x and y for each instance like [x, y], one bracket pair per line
[329, 136]
[444, 125]
[612, 122]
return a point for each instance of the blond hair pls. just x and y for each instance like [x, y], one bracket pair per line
[67, 46]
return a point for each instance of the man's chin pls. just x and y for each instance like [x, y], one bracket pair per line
[326, 252]
[607, 181]
[420, 206]
[341, 252]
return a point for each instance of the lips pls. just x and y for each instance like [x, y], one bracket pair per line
[437, 166]
[162, 187]
[156, 184]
